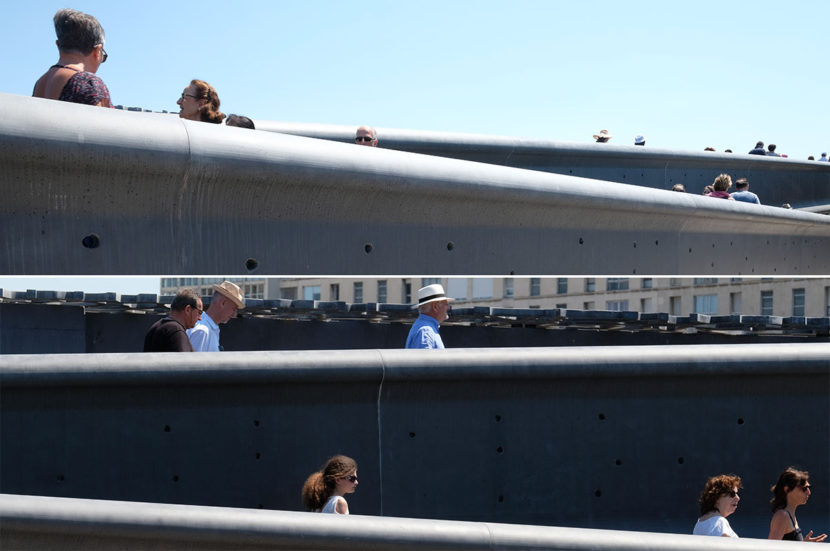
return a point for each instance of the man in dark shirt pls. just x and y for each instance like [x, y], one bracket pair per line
[169, 333]
[759, 149]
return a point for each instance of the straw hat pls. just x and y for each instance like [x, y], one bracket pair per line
[604, 134]
[231, 291]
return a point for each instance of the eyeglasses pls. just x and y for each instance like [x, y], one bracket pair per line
[199, 310]
[351, 478]
[731, 493]
[184, 95]
[103, 53]
[806, 488]
[363, 139]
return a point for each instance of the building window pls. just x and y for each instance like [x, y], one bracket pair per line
[646, 305]
[457, 288]
[735, 279]
[590, 284]
[561, 285]
[676, 306]
[705, 281]
[563, 305]
[827, 301]
[675, 282]
[430, 281]
[334, 291]
[508, 287]
[616, 305]
[482, 288]
[311, 292]
[798, 302]
[617, 284]
[535, 284]
[647, 283]
[735, 303]
[288, 293]
[382, 290]
[406, 292]
[706, 304]
[588, 305]
[358, 292]
[766, 303]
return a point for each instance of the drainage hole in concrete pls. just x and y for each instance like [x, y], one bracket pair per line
[368, 247]
[91, 241]
[251, 264]
[450, 246]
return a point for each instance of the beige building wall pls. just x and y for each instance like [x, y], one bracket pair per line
[677, 296]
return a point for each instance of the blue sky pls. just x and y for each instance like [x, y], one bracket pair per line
[686, 75]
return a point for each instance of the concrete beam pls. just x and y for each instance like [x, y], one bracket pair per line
[35, 522]
[111, 192]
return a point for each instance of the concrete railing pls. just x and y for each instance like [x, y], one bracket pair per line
[103, 191]
[459, 434]
[37, 523]
[803, 184]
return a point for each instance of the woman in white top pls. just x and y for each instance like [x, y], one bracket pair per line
[323, 491]
[718, 500]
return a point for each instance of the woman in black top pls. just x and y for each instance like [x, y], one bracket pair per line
[791, 490]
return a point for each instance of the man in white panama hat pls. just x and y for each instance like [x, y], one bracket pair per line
[227, 300]
[434, 308]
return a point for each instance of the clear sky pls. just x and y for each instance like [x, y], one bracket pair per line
[687, 75]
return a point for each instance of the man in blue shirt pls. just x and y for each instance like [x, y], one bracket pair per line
[743, 193]
[434, 308]
[759, 149]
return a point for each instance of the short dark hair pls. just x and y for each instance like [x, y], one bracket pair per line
[240, 121]
[759, 144]
[77, 31]
[184, 298]
[741, 183]
[771, 147]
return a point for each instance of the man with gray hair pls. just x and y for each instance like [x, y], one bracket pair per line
[226, 301]
[366, 135]
[434, 307]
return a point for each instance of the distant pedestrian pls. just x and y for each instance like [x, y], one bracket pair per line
[169, 333]
[718, 500]
[639, 139]
[224, 305]
[323, 491]
[710, 148]
[759, 149]
[743, 194]
[679, 187]
[366, 135]
[707, 190]
[721, 184]
[823, 157]
[200, 102]
[603, 136]
[240, 121]
[771, 151]
[434, 307]
[792, 490]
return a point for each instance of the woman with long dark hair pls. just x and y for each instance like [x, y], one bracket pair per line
[792, 489]
[323, 491]
[200, 102]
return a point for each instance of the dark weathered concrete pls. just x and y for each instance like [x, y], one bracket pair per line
[556, 436]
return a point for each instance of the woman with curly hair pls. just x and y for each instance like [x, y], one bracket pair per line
[200, 102]
[323, 491]
[718, 500]
[791, 490]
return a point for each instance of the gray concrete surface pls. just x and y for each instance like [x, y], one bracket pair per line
[111, 192]
[595, 437]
